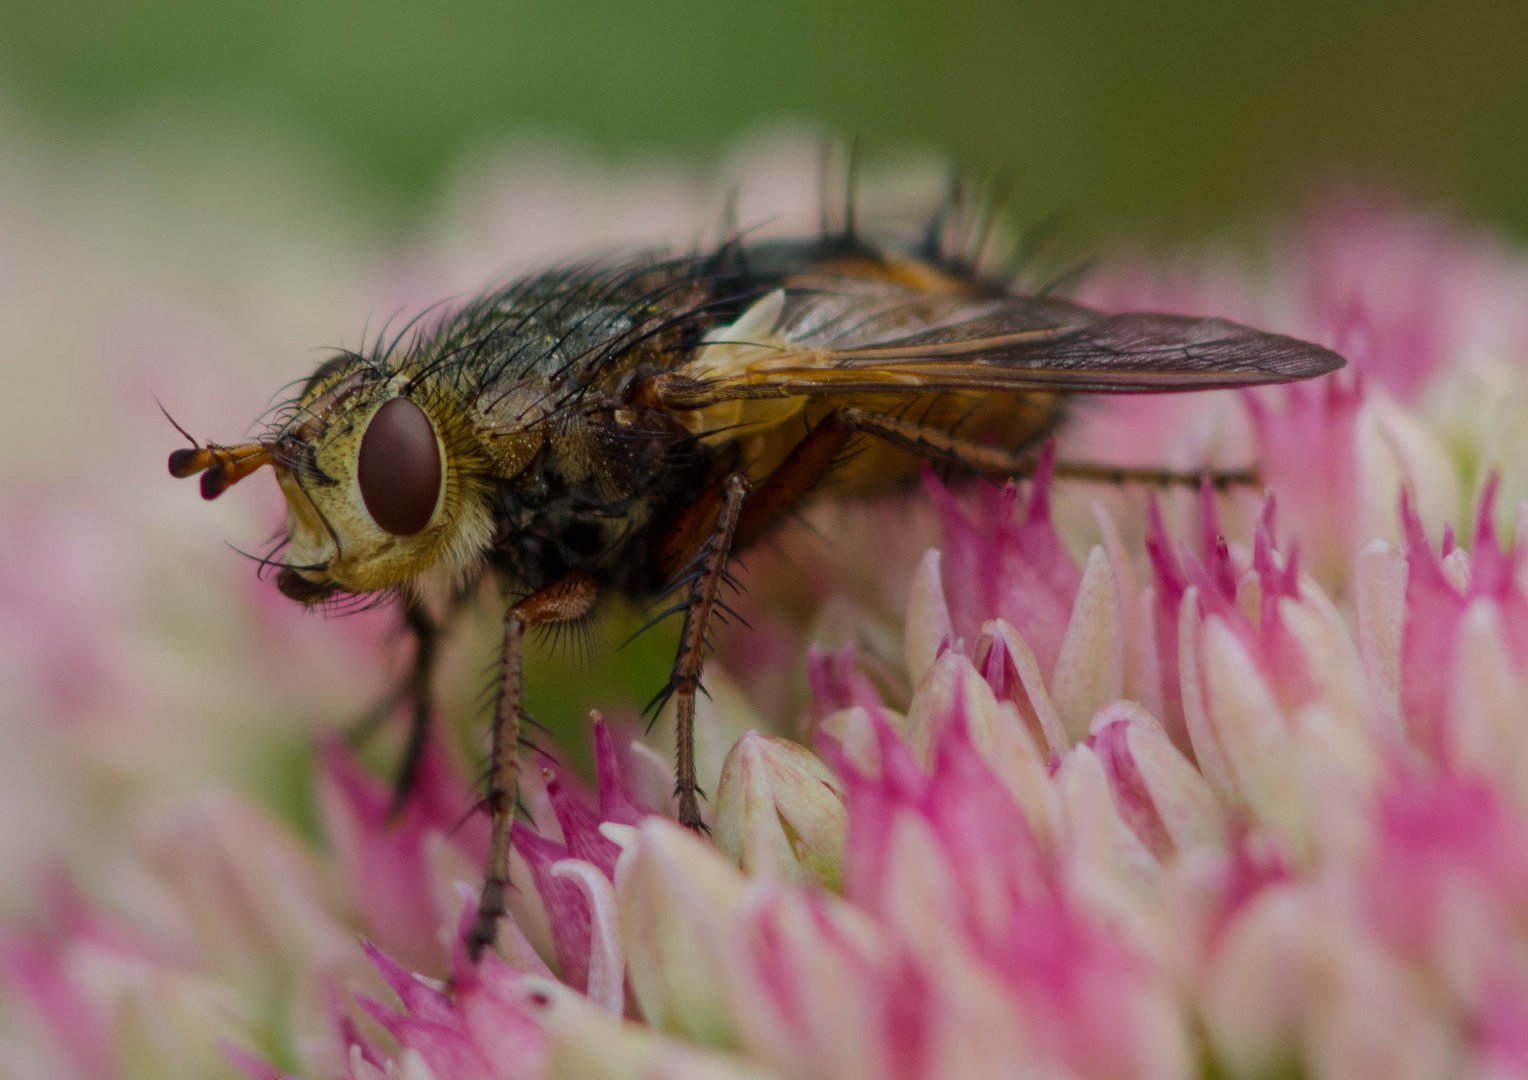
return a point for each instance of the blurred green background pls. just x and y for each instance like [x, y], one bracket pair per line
[1152, 118]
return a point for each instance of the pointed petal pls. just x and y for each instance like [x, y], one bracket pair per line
[1158, 792]
[588, 1042]
[1090, 669]
[850, 737]
[927, 626]
[1249, 727]
[1380, 601]
[607, 963]
[1025, 687]
[1202, 734]
[677, 897]
[617, 803]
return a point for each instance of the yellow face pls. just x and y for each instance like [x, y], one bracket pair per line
[380, 480]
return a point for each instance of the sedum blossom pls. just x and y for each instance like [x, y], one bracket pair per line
[1068, 782]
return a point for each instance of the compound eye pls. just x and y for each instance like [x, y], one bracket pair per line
[399, 468]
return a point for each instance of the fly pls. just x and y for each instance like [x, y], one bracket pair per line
[622, 428]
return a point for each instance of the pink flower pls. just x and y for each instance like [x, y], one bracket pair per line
[401, 866]
[572, 876]
[485, 1028]
[948, 864]
[1399, 292]
[1440, 591]
[1466, 858]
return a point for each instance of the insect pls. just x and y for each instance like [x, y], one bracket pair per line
[622, 427]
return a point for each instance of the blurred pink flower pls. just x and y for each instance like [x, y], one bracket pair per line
[1008, 563]
[1441, 590]
[397, 866]
[1400, 292]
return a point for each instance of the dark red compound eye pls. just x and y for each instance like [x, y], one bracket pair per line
[399, 468]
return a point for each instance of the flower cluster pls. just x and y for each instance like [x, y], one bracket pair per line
[1135, 785]
[1029, 870]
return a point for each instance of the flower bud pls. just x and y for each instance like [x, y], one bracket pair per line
[780, 812]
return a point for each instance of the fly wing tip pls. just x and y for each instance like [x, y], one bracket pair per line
[1311, 361]
[1290, 359]
[1334, 361]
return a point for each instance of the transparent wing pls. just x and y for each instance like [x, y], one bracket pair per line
[846, 335]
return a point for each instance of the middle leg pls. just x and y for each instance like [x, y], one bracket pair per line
[705, 581]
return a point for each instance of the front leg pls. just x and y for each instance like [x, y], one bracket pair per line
[416, 689]
[566, 600]
[420, 692]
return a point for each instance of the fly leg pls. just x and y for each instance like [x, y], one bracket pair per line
[732, 514]
[420, 691]
[929, 442]
[1219, 479]
[703, 583]
[566, 600]
[415, 687]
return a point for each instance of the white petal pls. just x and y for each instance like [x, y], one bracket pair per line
[1330, 656]
[1035, 696]
[1090, 668]
[780, 812]
[928, 624]
[677, 898]
[1258, 984]
[588, 1042]
[1189, 810]
[1202, 735]
[855, 732]
[1486, 695]
[1111, 869]
[1393, 449]
[1380, 600]
[607, 964]
[951, 685]
[1142, 674]
[1250, 728]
